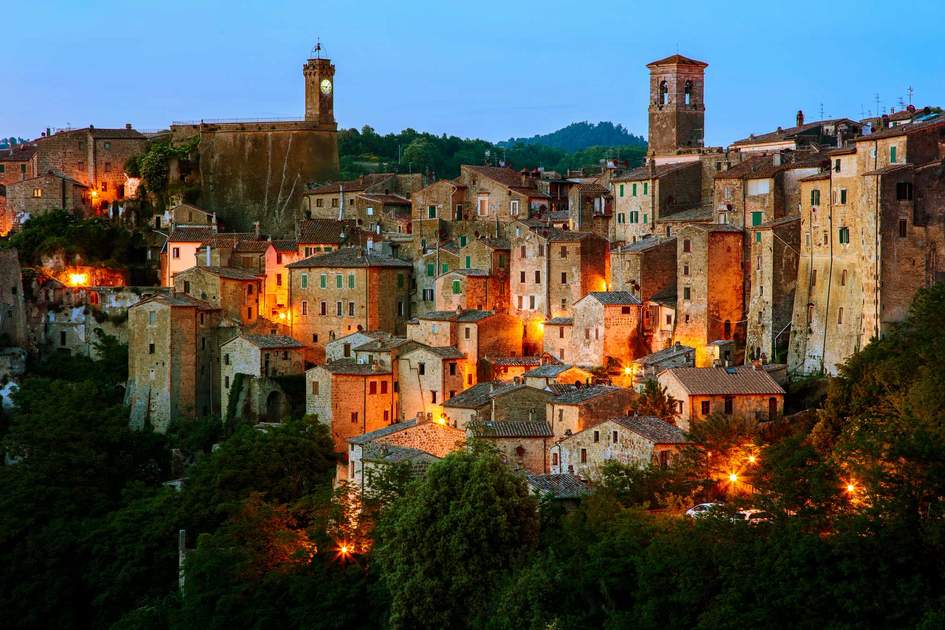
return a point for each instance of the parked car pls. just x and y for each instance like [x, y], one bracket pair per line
[703, 509]
[752, 516]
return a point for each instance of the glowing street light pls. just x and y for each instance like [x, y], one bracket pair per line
[752, 459]
[441, 420]
[733, 477]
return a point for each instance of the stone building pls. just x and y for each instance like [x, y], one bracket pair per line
[275, 303]
[93, 157]
[822, 133]
[773, 260]
[250, 364]
[320, 236]
[546, 376]
[173, 359]
[552, 269]
[650, 193]
[644, 268]
[184, 215]
[496, 401]
[648, 367]
[352, 398]
[747, 391]
[40, 194]
[641, 441]
[522, 444]
[234, 291]
[576, 409]
[180, 250]
[350, 199]
[590, 205]
[259, 170]
[350, 289]
[871, 236]
[677, 105]
[607, 330]
[13, 330]
[419, 443]
[428, 376]
[710, 299]
[16, 164]
[431, 261]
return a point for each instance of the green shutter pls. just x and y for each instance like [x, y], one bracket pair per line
[621, 190]
[892, 154]
[843, 196]
[468, 262]
[350, 280]
[757, 218]
[457, 289]
[444, 267]
[644, 219]
[339, 282]
[431, 269]
[633, 190]
[431, 212]
[757, 237]
[462, 241]
[646, 186]
[304, 280]
[324, 281]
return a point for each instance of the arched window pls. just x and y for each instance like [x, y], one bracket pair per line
[664, 93]
[688, 94]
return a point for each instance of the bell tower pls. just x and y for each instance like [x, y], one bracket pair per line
[319, 76]
[677, 106]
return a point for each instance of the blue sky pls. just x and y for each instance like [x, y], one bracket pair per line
[475, 69]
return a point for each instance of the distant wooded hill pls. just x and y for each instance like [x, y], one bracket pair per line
[366, 151]
[581, 135]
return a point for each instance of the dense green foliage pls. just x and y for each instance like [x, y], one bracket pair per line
[583, 135]
[854, 491]
[366, 151]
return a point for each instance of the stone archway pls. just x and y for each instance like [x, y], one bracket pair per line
[277, 406]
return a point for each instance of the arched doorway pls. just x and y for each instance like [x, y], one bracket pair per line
[276, 407]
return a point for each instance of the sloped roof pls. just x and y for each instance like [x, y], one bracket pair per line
[444, 352]
[254, 246]
[653, 429]
[646, 244]
[285, 245]
[612, 298]
[764, 166]
[517, 361]
[351, 366]
[473, 397]
[720, 381]
[792, 132]
[659, 356]
[393, 454]
[190, 234]
[387, 200]
[382, 344]
[352, 185]
[271, 342]
[903, 130]
[471, 315]
[677, 59]
[18, 153]
[550, 370]
[644, 173]
[172, 298]
[562, 486]
[350, 257]
[370, 436]
[510, 429]
[581, 395]
[325, 231]
[229, 273]
[560, 321]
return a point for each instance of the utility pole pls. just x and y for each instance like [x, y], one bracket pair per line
[910, 91]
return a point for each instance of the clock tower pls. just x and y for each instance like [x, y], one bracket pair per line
[319, 76]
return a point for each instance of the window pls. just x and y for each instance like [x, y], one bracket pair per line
[152, 317]
[596, 436]
[564, 277]
[457, 287]
[462, 241]
[315, 388]
[350, 309]
[621, 190]
[892, 154]
[583, 455]
[537, 276]
[400, 281]
[350, 280]
[501, 261]
[621, 218]
[685, 269]
[634, 216]
[521, 277]
[843, 196]
[104, 186]
[372, 388]
[687, 293]
[175, 252]
[625, 310]
[444, 267]
[62, 342]
[531, 302]
[249, 313]
[323, 281]
[554, 459]
[614, 437]
[459, 212]
[645, 186]
[354, 416]
[541, 249]
[513, 207]
[428, 295]
[687, 93]
[904, 191]
[686, 245]
[339, 309]
[836, 165]
[433, 396]
[303, 280]
[644, 218]
[339, 281]
[729, 405]
[810, 313]
[482, 207]
[815, 197]
[431, 269]
[758, 187]
[467, 331]
[431, 212]
[843, 278]
[844, 235]
[813, 278]
[383, 387]
[903, 228]
[587, 334]
[108, 145]
[452, 369]
[468, 262]
[840, 315]
[421, 368]
[323, 308]
[521, 252]
[226, 382]
[757, 218]
[633, 190]
[757, 237]
[706, 407]
[520, 302]
[304, 307]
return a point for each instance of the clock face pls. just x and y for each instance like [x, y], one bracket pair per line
[325, 86]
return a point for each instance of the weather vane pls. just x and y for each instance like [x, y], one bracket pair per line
[318, 48]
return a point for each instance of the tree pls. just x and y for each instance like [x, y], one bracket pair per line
[445, 545]
[655, 401]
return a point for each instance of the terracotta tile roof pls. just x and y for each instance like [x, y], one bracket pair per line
[387, 200]
[370, 436]
[666, 354]
[271, 342]
[815, 177]
[761, 167]
[903, 130]
[582, 395]
[350, 257]
[510, 429]
[18, 153]
[594, 188]
[550, 370]
[324, 231]
[744, 380]
[791, 133]
[382, 344]
[473, 397]
[643, 173]
[230, 273]
[517, 361]
[394, 454]
[351, 366]
[478, 273]
[252, 246]
[352, 185]
[285, 245]
[615, 297]
[444, 352]
[679, 60]
[563, 486]
[653, 429]
[229, 240]
[496, 243]
[173, 298]
[665, 296]
[505, 176]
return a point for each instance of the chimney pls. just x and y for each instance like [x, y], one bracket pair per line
[208, 255]
[885, 122]
[776, 159]
[459, 310]
[800, 118]
[127, 125]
